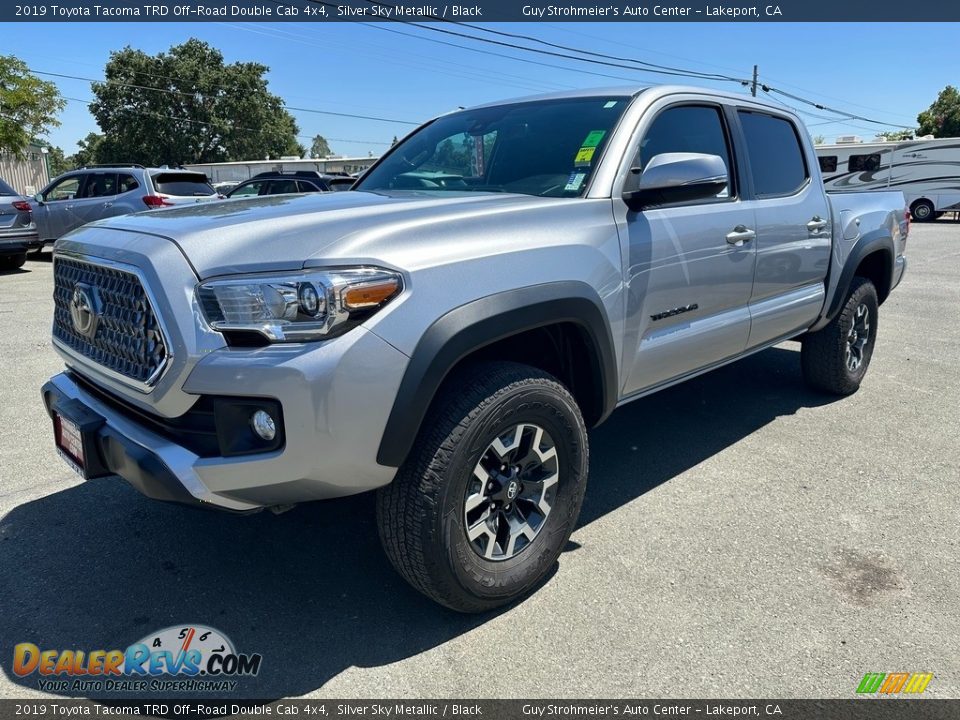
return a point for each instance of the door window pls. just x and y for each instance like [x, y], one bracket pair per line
[100, 185]
[128, 183]
[685, 129]
[282, 187]
[775, 152]
[65, 189]
[249, 190]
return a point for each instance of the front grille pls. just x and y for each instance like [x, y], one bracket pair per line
[126, 337]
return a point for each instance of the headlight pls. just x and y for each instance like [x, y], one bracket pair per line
[297, 307]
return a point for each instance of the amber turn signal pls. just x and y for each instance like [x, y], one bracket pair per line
[370, 294]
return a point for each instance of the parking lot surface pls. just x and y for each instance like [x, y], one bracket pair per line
[741, 537]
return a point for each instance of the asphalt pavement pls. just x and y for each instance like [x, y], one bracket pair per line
[742, 536]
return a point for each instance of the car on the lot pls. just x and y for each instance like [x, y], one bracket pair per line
[18, 232]
[446, 331]
[101, 191]
[285, 182]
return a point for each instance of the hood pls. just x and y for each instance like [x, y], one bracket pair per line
[285, 232]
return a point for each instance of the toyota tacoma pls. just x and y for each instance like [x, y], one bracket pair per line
[446, 332]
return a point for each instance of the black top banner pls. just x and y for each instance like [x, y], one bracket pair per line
[319, 11]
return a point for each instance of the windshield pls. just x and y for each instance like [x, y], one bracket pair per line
[547, 148]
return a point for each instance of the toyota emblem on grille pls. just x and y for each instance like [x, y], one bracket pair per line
[83, 310]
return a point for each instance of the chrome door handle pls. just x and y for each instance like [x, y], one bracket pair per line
[740, 234]
[108, 204]
[816, 224]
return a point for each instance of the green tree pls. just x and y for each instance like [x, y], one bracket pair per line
[320, 147]
[942, 119]
[187, 105]
[818, 139]
[90, 151]
[28, 105]
[894, 135]
[58, 163]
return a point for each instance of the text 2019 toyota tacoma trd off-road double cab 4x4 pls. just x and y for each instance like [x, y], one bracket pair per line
[446, 332]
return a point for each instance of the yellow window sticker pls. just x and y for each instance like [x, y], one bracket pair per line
[584, 156]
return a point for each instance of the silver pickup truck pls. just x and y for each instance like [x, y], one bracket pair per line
[500, 281]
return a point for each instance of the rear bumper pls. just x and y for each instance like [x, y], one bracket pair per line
[16, 242]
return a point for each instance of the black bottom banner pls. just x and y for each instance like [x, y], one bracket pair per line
[853, 709]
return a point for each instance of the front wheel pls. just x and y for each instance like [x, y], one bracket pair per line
[835, 359]
[492, 489]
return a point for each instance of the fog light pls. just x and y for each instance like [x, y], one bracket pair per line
[263, 425]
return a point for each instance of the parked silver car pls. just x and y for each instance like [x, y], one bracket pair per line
[18, 232]
[102, 191]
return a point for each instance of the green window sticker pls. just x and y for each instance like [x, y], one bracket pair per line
[593, 138]
[609, 104]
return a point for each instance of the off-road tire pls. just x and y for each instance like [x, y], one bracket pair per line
[421, 513]
[823, 356]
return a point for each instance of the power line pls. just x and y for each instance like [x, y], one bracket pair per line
[109, 81]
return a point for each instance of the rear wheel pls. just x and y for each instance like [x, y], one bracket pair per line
[12, 262]
[492, 489]
[922, 211]
[835, 359]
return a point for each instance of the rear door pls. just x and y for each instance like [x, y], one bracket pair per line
[792, 224]
[689, 266]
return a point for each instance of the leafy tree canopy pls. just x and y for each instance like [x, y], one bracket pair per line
[187, 106]
[942, 119]
[28, 105]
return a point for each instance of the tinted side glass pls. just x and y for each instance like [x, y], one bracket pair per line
[282, 187]
[828, 163]
[100, 185]
[864, 163]
[685, 129]
[128, 183]
[776, 156]
[6, 189]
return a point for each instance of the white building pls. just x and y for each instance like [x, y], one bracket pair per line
[245, 169]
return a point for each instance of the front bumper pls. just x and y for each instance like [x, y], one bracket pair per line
[335, 400]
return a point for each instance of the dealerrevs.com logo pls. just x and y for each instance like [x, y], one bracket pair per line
[191, 658]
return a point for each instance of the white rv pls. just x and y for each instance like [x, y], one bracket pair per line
[927, 171]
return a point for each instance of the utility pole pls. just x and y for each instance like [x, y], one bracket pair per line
[753, 88]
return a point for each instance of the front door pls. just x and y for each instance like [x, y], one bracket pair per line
[690, 266]
[56, 213]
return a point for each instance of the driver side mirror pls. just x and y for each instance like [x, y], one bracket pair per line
[39, 198]
[677, 177]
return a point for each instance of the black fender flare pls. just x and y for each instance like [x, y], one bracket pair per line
[866, 245]
[481, 322]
